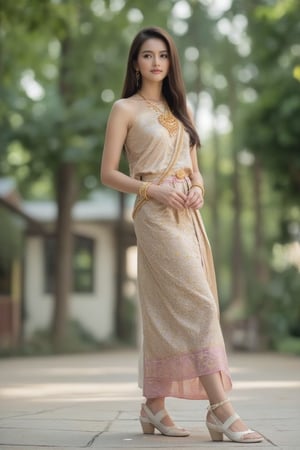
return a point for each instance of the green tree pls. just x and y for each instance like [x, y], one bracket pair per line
[272, 133]
[274, 114]
[58, 87]
[57, 96]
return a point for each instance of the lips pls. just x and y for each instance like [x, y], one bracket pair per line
[156, 71]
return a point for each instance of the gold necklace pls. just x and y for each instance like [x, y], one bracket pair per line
[165, 118]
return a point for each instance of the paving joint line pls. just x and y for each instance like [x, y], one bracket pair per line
[95, 437]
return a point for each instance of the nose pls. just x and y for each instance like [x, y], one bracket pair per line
[156, 60]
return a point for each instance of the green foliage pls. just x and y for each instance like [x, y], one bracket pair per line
[274, 115]
[58, 93]
[10, 238]
[77, 340]
[62, 66]
[277, 305]
[289, 345]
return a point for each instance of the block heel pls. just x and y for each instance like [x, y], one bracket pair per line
[217, 428]
[215, 435]
[147, 427]
[150, 421]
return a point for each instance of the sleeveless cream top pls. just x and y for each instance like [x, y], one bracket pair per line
[148, 145]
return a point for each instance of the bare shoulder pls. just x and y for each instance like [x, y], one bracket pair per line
[128, 105]
[125, 109]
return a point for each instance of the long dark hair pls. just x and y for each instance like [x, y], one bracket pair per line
[173, 86]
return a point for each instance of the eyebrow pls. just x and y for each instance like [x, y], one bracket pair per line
[151, 51]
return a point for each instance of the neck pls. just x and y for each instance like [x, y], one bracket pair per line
[152, 92]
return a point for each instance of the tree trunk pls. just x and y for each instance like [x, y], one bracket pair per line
[260, 267]
[121, 268]
[65, 196]
[215, 205]
[237, 283]
[66, 193]
[256, 337]
[237, 287]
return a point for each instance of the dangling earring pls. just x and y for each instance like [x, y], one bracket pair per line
[138, 78]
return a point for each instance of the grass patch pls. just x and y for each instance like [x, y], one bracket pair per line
[289, 345]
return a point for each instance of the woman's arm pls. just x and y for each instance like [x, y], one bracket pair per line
[195, 198]
[196, 175]
[116, 132]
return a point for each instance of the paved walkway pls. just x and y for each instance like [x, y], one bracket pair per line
[92, 401]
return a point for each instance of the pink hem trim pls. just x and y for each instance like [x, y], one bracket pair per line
[178, 376]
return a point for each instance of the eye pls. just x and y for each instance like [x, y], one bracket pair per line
[164, 55]
[147, 55]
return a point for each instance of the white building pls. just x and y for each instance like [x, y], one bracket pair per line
[93, 300]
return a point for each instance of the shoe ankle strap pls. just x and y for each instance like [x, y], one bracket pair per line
[216, 405]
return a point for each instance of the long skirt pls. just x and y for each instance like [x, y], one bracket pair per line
[182, 337]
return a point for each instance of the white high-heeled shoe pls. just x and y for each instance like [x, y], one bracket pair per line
[218, 428]
[151, 421]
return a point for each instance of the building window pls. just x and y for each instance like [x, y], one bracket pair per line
[83, 265]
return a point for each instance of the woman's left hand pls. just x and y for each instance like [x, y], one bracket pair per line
[195, 198]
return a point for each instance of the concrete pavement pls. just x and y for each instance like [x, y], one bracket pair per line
[92, 401]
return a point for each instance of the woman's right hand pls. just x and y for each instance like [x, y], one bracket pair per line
[167, 195]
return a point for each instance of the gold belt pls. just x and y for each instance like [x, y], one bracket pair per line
[180, 174]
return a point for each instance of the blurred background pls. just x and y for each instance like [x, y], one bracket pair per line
[67, 246]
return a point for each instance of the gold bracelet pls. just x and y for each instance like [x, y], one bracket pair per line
[199, 186]
[143, 190]
[146, 191]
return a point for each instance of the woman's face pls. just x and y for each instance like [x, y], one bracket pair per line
[153, 60]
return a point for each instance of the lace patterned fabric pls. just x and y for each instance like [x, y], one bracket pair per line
[182, 337]
[178, 376]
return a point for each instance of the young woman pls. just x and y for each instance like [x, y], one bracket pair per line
[183, 348]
